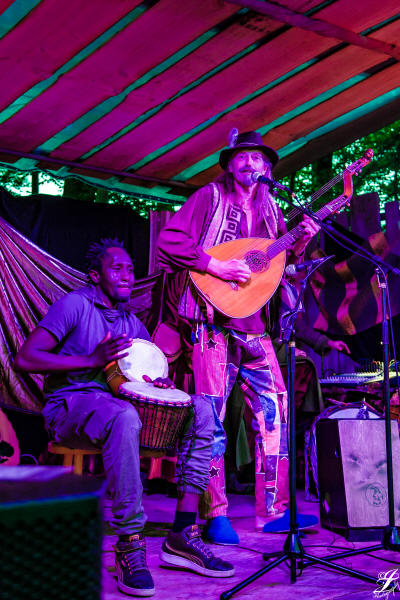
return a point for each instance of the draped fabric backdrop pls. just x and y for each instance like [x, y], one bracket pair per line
[31, 279]
[347, 293]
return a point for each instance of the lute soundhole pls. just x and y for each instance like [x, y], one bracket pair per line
[257, 261]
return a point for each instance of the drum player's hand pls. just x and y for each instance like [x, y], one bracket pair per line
[109, 349]
[161, 382]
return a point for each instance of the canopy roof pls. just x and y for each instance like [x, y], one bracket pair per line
[142, 95]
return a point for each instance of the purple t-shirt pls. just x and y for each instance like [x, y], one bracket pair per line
[79, 321]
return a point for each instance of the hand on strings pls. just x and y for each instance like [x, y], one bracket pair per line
[109, 349]
[338, 345]
[161, 382]
[229, 270]
[310, 228]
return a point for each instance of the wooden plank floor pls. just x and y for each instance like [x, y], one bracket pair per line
[314, 584]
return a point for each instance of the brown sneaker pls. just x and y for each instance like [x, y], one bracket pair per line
[186, 549]
[134, 577]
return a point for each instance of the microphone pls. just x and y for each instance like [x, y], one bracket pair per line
[309, 265]
[257, 177]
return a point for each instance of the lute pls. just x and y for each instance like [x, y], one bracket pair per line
[266, 258]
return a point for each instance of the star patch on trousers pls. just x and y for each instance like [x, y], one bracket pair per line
[214, 471]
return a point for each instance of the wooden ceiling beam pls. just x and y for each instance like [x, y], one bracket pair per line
[8, 155]
[326, 144]
[295, 19]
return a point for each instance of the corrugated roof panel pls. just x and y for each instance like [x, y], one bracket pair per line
[49, 37]
[157, 85]
[263, 110]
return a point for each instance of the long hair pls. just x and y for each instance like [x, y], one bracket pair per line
[262, 199]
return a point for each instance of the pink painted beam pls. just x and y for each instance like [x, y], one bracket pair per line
[214, 95]
[218, 49]
[361, 93]
[297, 90]
[48, 37]
[324, 28]
[153, 37]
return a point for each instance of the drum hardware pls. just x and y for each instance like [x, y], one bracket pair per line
[162, 411]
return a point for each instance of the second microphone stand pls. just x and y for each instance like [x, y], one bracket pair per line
[293, 550]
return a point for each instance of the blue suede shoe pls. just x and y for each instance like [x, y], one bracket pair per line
[219, 531]
[282, 524]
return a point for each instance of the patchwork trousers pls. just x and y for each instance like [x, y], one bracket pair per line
[220, 357]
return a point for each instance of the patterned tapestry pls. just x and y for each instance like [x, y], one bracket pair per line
[347, 294]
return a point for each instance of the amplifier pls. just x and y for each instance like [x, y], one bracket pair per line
[352, 477]
[51, 534]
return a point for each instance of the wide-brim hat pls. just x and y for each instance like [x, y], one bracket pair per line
[249, 140]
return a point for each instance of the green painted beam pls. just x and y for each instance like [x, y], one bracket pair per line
[212, 160]
[108, 105]
[17, 11]
[40, 87]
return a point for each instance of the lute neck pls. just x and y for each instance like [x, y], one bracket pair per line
[289, 238]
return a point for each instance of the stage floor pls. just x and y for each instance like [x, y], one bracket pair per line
[314, 584]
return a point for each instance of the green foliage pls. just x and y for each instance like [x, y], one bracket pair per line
[381, 175]
[139, 205]
[14, 181]
[20, 182]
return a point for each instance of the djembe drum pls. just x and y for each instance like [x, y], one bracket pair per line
[162, 411]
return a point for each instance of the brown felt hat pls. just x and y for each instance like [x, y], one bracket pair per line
[249, 140]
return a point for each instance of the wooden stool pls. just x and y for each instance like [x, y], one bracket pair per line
[73, 457]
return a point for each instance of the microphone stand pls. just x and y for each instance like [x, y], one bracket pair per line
[293, 549]
[390, 538]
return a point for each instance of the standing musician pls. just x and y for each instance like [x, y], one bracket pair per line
[226, 349]
[81, 333]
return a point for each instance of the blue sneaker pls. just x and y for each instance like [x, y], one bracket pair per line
[219, 531]
[282, 524]
[134, 577]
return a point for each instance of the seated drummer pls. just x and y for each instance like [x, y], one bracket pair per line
[79, 336]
